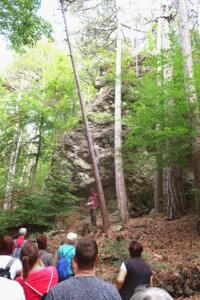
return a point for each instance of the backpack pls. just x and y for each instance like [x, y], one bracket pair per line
[63, 266]
[17, 250]
[5, 272]
[42, 296]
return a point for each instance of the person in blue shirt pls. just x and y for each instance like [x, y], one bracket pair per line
[85, 285]
[68, 251]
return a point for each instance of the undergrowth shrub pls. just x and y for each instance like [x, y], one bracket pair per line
[37, 209]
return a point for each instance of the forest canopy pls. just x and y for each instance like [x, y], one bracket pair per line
[20, 23]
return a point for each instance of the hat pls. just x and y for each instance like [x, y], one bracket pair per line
[22, 231]
[71, 236]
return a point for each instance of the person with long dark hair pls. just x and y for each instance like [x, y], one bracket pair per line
[36, 279]
[45, 256]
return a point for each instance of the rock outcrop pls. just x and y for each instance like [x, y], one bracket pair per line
[71, 160]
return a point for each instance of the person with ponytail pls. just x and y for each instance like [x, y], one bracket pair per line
[36, 279]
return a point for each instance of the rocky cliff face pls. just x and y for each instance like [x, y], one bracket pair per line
[71, 160]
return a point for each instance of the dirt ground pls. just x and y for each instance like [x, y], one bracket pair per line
[171, 248]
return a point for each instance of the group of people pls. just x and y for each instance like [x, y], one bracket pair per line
[36, 275]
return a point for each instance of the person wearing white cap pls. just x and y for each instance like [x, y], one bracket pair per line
[65, 256]
[23, 231]
[19, 241]
[21, 237]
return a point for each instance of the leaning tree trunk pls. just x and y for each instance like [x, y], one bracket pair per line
[11, 170]
[175, 208]
[190, 90]
[119, 172]
[103, 208]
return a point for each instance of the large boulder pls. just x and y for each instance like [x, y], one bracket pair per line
[71, 162]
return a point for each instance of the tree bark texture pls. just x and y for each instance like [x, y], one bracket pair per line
[103, 208]
[198, 16]
[174, 188]
[11, 170]
[158, 185]
[175, 194]
[191, 92]
[158, 176]
[37, 157]
[119, 172]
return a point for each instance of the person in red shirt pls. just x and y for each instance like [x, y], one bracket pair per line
[93, 204]
[36, 279]
[19, 241]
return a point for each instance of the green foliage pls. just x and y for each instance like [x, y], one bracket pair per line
[37, 209]
[42, 102]
[161, 266]
[101, 116]
[98, 25]
[20, 24]
[158, 119]
[196, 61]
[118, 248]
[92, 66]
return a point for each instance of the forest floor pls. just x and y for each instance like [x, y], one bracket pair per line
[171, 248]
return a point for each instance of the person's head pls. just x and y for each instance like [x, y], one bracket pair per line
[6, 245]
[92, 191]
[135, 249]
[71, 238]
[152, 293]
[23, 231]
[42, 242]
[86, 254]
[29, 256]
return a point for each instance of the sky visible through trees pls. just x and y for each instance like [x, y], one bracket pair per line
[49, 10]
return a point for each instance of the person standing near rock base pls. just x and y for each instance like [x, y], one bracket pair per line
[93, 204]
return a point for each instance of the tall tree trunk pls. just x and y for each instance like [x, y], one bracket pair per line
[39, 145]
[103, 208]
[119, 173]
[135, 49]
[11, 170]
[198, 16]
[158, 176]
[190, 89]
[26, 174]
[175, 196]
[175, 204]
[158, 184]
[26, 171]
